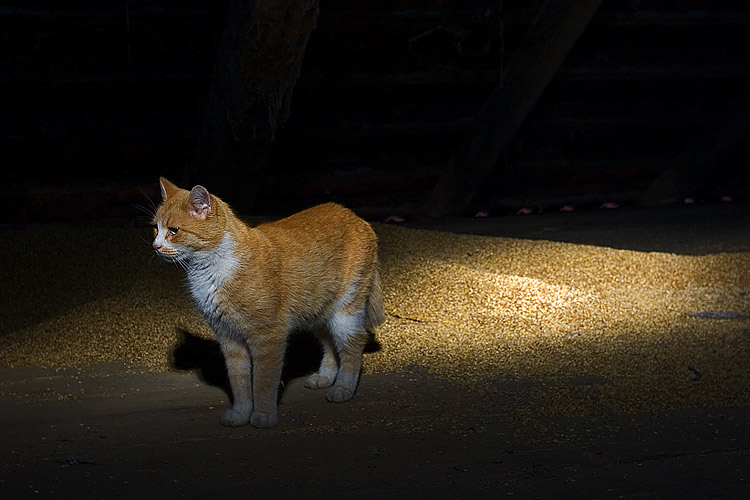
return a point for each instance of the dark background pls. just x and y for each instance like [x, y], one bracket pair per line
[649, 107]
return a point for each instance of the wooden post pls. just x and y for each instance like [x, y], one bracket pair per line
[258, 62]
[534, 63]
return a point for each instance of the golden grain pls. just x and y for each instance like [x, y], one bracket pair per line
[471, 309]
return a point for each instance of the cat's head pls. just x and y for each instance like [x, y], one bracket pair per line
[187, 221]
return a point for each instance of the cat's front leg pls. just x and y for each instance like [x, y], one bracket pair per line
[268, 360]
[239, 369]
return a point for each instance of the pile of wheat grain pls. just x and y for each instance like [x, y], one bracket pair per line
[596, 328]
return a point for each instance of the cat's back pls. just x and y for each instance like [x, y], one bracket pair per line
[320, 251]
[331, 212]
[327, 225]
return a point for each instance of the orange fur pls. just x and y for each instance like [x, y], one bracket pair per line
[315, 270]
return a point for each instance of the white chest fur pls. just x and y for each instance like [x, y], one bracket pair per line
[207, 273]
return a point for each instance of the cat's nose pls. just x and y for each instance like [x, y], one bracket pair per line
[156, 245]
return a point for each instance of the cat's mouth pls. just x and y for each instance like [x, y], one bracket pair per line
[167, 254]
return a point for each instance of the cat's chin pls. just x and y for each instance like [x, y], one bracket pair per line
[168, 257]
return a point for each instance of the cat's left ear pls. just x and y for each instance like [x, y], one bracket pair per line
[167, 188]
[199, 202]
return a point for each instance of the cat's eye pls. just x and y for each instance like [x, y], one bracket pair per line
[173, 230]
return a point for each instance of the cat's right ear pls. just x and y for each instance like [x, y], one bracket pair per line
[167, 188]
[200, 202]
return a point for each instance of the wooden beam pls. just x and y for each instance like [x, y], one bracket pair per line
[535, 62]
[258, 63]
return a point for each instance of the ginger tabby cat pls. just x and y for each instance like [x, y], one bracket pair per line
[316, 270]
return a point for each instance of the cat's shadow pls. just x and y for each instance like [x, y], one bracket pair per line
[195, 353]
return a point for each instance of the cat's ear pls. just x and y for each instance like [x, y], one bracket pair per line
[199, 202]
[167, 188]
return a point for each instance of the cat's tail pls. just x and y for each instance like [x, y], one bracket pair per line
[374, 310]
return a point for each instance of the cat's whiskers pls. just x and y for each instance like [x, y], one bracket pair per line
[154, 208]
[178, 260]
[143, 239]
[147, 218]
[181, 262]
[149, 211]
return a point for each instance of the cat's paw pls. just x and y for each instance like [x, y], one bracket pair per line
[339, 394]
[264, 420]
[318, 381]
[234, 418]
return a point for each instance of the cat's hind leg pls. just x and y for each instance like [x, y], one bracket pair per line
[329, 365]
[349, 336]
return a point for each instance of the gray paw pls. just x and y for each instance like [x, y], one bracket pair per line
[263, 420]
[339, 394]
[318, 381]
[234, 418]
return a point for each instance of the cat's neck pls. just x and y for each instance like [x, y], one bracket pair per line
[220, 256]
[209, 269]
